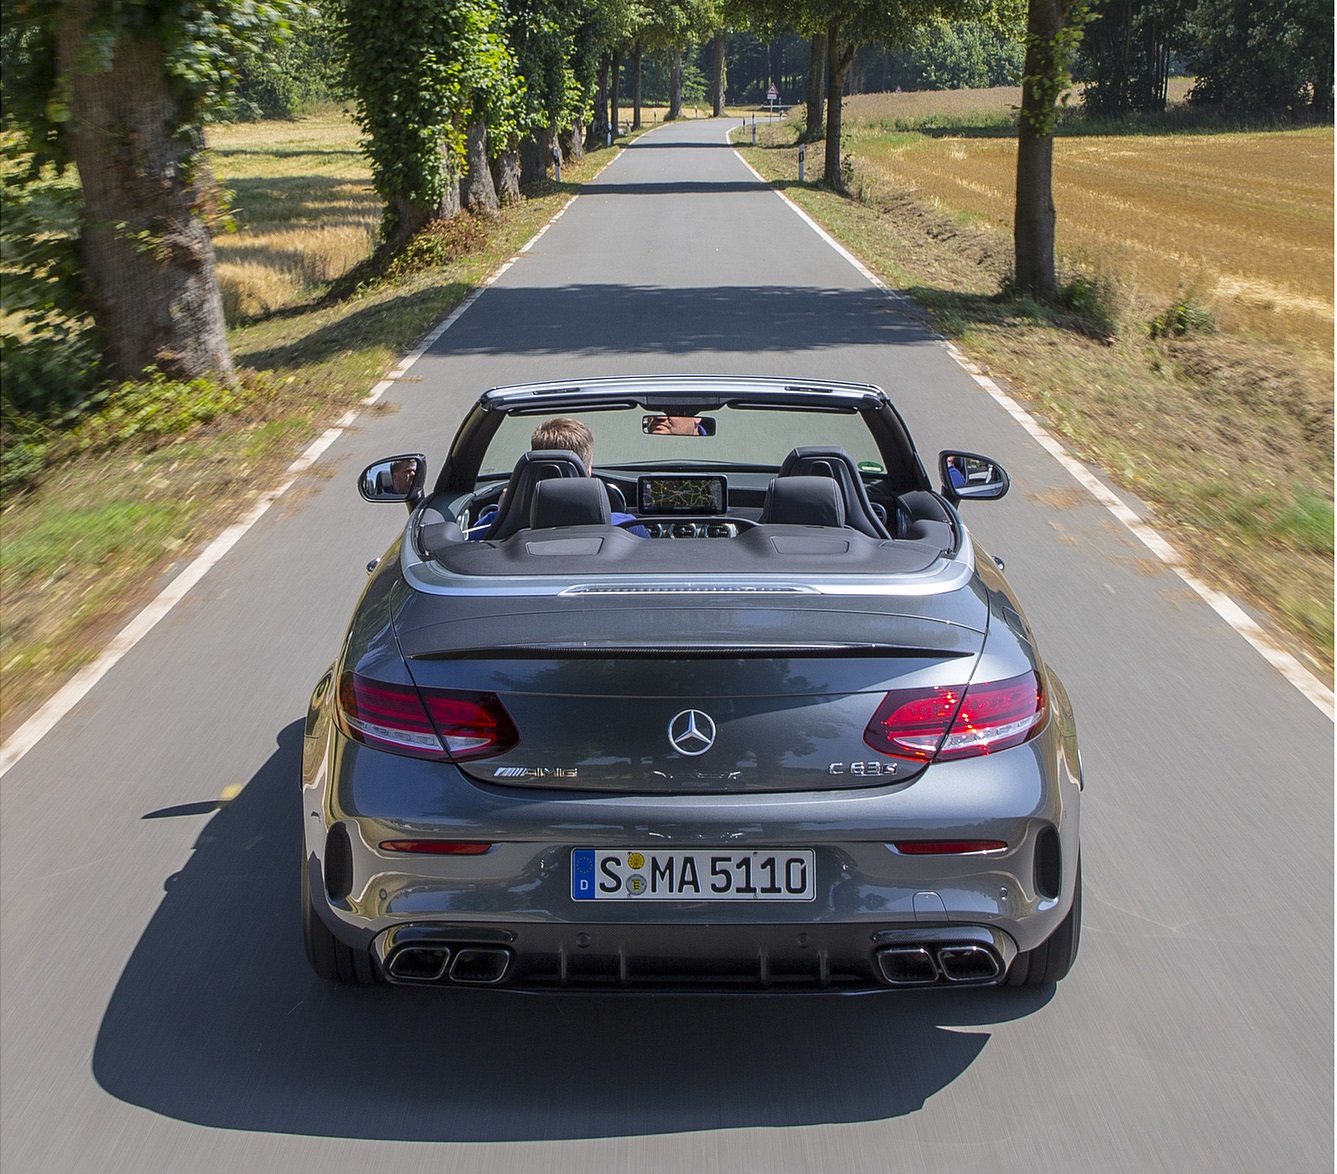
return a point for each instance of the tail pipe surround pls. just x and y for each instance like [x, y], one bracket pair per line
[960, 956]
[413, 956]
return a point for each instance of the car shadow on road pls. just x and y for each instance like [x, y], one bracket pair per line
[217, 1020]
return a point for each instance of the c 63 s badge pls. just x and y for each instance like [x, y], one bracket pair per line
[869, 770]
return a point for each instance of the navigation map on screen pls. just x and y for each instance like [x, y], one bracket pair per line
[682, 495]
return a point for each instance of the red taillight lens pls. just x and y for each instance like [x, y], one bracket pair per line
[947, 847]
[436, 847]
[424, 723]
[934, 725]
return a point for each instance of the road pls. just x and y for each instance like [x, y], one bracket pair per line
[159, 1015]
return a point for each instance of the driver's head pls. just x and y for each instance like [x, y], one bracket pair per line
[564, 432]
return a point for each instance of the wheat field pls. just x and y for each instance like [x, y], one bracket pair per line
[304, 207]
[1240, 222]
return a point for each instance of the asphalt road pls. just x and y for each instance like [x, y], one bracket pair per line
[158, 1013]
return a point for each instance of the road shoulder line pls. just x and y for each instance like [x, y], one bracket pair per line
[1227, 608]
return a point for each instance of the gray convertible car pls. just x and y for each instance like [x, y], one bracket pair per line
[732, 702]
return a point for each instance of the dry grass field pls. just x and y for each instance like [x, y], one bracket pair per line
[304, 206]
[1240, 222]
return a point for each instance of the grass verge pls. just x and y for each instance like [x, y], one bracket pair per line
[1228, 437]
[133, 491]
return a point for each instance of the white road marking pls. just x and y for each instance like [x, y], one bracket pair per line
[1225, 607]
[77, 687]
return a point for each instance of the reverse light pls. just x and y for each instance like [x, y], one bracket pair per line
[947, 722]
[438, 724]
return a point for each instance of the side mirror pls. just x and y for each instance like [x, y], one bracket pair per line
[678, 425]
[394, 479]
[968, 476]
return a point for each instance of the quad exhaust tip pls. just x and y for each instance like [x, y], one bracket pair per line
[955, 962]
[432, 963]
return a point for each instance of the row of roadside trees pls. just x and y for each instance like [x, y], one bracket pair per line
[461, 102]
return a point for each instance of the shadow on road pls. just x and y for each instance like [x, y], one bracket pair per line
[610, 319]
[217, 1020]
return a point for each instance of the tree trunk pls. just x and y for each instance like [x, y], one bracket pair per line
[505, 168]
[675, 85]
[535, 157]
[837, 65]
[1034, 217]
[816, 89]
[477, 191]
[717, 78]
[148, 258]
[412, 216]
[572, 141]
[598, 132]
[636, 87]
[614, 110]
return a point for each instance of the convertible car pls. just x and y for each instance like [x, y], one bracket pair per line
[733, 702]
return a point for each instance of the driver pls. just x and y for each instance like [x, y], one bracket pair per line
[561, 432]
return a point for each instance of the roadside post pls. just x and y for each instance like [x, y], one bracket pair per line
[557, 164]
[754, 130]
[802, 154]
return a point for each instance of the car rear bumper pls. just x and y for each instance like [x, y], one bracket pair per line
[778, 958]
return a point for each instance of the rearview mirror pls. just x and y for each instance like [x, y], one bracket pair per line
[678, 425]
[394, 479]
[968, 476]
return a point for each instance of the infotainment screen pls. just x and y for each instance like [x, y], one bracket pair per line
[682, 495]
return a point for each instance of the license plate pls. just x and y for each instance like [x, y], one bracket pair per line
[652, 874]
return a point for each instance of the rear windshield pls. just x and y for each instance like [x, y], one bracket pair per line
[743, 437]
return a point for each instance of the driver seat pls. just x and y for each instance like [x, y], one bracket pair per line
[518, 498]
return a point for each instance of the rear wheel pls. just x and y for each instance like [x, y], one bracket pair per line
[329, 957]
[1053, 958]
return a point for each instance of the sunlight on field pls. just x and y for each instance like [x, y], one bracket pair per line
[1243, 222]
[305, 210]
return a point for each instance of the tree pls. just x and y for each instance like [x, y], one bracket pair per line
[413, 67]
[1126, 52]
[846, 24]
[1262, 56]
[1053, 32]
[122, 91]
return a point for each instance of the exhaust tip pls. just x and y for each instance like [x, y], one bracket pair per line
[419, 964]
[968, 963]
[480, 965]
[908, 967]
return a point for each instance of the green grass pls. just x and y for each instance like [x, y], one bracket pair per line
[163, 467]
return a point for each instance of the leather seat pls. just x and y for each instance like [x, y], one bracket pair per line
[804, 501]
[518, 498]
[839, 466]
[566, 501]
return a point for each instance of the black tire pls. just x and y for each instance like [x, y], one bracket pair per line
[1051, 960]
[329, 957]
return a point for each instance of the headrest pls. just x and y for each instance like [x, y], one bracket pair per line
[804, 501]
[569, 501]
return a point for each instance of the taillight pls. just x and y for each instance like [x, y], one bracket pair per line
[424, 723]
[938, 724]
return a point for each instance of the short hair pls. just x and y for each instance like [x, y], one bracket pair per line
[564, 432]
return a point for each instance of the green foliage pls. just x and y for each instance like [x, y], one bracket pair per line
[202, 41]
[1185, 316]
[413, 67]
[1262, 55]
[1126, 55]
[291, 72]
[947, 55]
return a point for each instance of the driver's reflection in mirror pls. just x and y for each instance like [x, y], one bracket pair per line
[402, 473]
[676, 426]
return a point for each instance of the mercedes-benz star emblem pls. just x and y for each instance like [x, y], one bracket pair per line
[691, 732]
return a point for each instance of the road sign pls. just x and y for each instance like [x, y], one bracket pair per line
[773, 94]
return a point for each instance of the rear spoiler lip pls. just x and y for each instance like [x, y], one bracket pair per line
[591, 651]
